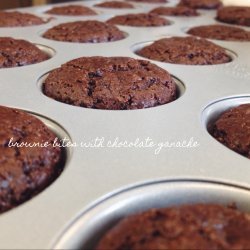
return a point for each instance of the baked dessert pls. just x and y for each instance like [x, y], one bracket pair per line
[115, 5]
[15, 19]
[149, 1]
[201, 4]
[27, 165]
[84, 32]
[71, 10]
[185, 50]
[196, 226]
[232, 129]
[220, 32]
[114, 83]
[239, 15]
[175, 11]
[16, 52]
[139, 20]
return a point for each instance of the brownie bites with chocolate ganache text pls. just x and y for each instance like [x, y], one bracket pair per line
[114, 83]
[25, 170]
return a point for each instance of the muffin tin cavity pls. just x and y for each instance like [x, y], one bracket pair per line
[46, 49]
[62, 135]
[86, 230]
[213, 110]
[230, 135]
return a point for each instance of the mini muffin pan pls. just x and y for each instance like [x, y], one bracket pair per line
[120, 159]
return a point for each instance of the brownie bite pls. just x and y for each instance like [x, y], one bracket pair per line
[25, 170]
[232, 129]
[71, 10]
[17, 19]
[114, 83]
[185, 50]
[201, 4]
[115, 5]
[84, 32]
[149, 1]
[234, 15]
[139, 20]
[15, 53]
[196, 226]
[175, 11]
[220, 32]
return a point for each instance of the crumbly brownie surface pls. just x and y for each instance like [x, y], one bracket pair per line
[197, 226]
[232, 129]
[114, 83]
[201, 4]
[71, 10]
[234, 15]
[149, 1]
[175, 11]
[115, 5]
[139, 20]
[84, 32]
[185, 50]
[15, 19]
[14, 53]
[220, 32]
[25, 171]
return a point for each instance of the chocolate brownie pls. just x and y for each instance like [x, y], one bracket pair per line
[175, 11]
[71, 10]
[15, 19]
[234, 15]
[84, 32]
[201, 4]
[14, 53]
[115, 5]
[27, 164]
[196, 226]
[149, 1]
[185, 50]
[220, 32]
[232, 129]
[113, 83]
[139, 20]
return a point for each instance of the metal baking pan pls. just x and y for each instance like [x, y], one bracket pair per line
[98, 170]
[87, 229]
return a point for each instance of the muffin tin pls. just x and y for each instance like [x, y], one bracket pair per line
[87, 230]
[100, 170]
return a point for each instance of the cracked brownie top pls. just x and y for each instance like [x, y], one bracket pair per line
[110, 83]
[14, 53]
[26, 167]
[71, 10]
[15, 19]
[84, 32]
[185, 50]
[196, 226]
